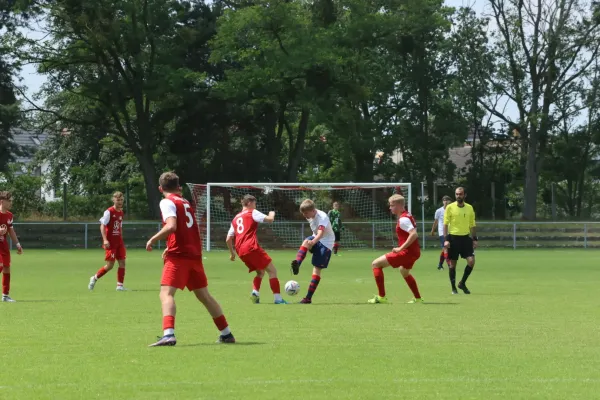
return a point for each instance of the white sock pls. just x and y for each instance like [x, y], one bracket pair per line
[119, 284]
[255, 292]
[278, 297]
[95, 277]
[225, 332]
[169, 331]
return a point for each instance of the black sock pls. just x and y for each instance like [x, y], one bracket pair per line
[452, 272]
[466, 274]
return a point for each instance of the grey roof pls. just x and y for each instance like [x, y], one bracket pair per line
[29, 140]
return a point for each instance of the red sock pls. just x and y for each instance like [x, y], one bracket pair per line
[221, 322]
[301, 255]
[314, 283]
[101, 272]
[168, 322]
[336, 247]
[120, 276]
[256, 283]
[412, 284]
[380, 281]
[5, 284]
[274, 282]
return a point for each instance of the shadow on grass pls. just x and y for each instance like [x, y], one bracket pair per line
[222, 344]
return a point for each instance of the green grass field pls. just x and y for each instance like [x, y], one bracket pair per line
[530, 330]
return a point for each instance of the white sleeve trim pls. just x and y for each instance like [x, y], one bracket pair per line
[406, 224]
[105, 218]
[168, 209]
[230, 232]
[258, 216]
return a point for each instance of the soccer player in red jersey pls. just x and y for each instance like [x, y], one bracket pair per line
[404, 256]
[243, 229]
[6, 228]
[111, 228]
[182, 261]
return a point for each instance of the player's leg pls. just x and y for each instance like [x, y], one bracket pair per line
[256, 283]
[301, 255]
[198, 283]
[274, 283]
[121, 256]
[443, 254]
[320, 261]
[468, 269]
[5, 269]
[410, 281]
[378, 265]
[453, 254]
[216, 312]
[167, 301]
[336, 244]
[109, 257]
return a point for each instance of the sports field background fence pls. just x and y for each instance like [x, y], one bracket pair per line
[364, 235]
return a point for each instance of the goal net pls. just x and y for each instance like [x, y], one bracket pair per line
[366, 220]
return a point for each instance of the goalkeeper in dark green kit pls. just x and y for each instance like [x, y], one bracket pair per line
[335, 216]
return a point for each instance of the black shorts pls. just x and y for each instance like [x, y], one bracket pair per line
[337, 235]
[460, 246]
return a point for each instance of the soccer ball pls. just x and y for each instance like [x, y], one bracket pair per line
[292, 288]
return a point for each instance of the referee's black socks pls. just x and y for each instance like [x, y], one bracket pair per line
[468, 270]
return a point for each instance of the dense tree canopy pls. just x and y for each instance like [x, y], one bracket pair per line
[321, 90]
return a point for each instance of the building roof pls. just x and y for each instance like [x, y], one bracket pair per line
[28, 141]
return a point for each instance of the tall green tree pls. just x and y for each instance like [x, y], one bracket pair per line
[543, 51]
[127, 60]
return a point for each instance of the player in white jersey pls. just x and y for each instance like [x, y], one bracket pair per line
[439, 223]
[319, 244]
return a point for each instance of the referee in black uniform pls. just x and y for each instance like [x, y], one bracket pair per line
[461, 238]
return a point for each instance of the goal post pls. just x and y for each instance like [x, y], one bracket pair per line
[366, 219]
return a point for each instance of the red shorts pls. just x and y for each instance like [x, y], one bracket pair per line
[5, 259]
[183, 272]
[257, 259]
[403, 259]
[115, 252]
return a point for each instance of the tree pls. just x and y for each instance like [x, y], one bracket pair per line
[9, 115]
[543, 51]
[125, 60]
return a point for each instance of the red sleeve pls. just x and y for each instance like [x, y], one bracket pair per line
[321, 228]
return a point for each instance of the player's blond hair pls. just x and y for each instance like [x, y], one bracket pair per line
[117, 195]
[169, 181]
[5, 195]
[247, 199]
[396, 199]
[307, 205]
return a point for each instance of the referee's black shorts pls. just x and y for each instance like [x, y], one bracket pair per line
[460, 246]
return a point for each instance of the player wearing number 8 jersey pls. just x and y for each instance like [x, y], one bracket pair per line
[182, 261]
[243, 230]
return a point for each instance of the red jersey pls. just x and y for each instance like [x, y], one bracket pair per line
[113, 225]
[406, 223]
[6, 222]
[243, 228]
[185, 241]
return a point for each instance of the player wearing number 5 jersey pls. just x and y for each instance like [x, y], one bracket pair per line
[182, 261]
[243, 229]
[111, 228]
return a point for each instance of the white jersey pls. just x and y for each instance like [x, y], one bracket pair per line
[439, 216]
[322, 220]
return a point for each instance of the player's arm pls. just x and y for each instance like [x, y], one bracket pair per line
[320, 232]
[407, 226]
[229, 241]
[435, 222]
[473, 229]
[15, 239]
[103, 223]
[270, 218]
[169, 213]
[446, 223]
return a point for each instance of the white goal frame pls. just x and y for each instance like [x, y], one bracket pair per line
[298, 185]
